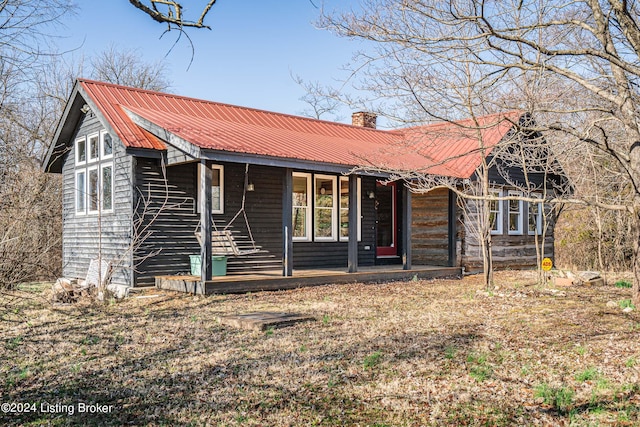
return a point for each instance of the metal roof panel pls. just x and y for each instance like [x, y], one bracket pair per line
[452, 149]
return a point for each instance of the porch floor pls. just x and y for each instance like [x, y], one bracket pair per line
[273, 280]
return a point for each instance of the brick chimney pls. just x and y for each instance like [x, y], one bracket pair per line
[364, 119]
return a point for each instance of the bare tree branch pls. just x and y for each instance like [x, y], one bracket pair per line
[173, 14]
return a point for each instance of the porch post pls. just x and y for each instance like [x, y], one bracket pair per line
[452, 228]
[206, 175]
[353, 224]
[287, 224]
[406, 227]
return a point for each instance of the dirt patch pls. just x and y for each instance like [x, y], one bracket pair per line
[441, 352]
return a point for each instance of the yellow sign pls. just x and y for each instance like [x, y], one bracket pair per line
[547, 264]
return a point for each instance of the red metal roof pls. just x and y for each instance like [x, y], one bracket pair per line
[460, 145]
[443, 149]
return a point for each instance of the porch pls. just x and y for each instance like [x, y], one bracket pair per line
[274, 280]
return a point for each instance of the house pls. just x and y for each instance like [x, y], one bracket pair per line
[143, 172]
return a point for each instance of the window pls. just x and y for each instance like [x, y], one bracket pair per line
[301, 206]
[535, 216]
[92, 190]
[495, 213]
[81, 191]
[107, 187]
[344, 209]
[94, 148]
[217, 189]
[94, 181]
[81, 151]
[107, 144]
[515, 213]
[325, 207]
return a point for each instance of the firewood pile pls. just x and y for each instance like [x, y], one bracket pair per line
[584, 278]
[71, 290]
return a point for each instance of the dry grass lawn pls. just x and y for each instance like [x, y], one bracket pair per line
[416, 353]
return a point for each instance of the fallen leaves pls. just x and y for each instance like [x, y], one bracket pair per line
[442, 352]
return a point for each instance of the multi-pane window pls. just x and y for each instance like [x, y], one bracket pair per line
[324, 207]
[535, 217]
[515, 213]
[495, 213]
[107, 187]
[81, 151]
[94, 177]
[106, 143]
[217, 189]
[81, 190]
[344, 208]
[94, 147]
[301, 206]
[92, 189]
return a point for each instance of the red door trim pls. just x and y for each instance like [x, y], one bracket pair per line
[388, 251]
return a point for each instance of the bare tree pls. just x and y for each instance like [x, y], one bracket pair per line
[320, 103]
[125, 67]
[29, 225]
[589, 51]
[32, 103]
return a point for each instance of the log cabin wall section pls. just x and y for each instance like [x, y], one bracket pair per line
[430, 228]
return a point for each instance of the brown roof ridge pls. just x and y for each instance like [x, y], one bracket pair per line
[252, 109]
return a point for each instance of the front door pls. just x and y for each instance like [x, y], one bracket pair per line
[387, 234]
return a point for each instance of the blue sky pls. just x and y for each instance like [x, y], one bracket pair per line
[246, 59]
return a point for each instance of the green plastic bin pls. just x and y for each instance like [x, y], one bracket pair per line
[218, 265]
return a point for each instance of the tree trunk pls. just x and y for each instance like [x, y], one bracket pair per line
[635, 290]
[488, 263]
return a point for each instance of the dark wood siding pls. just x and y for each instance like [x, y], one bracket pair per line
[264, 213]
[165, 219]
[80, 231]
[172, 217]
[430, 228]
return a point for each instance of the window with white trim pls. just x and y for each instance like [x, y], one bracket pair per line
[94, 178]
[515, 213]
[81, 191]
[535, 216]
[344, 209]
[325, 207]
[495, 212]
[217, 189]
[93, 147]
[106, 193]
[93, 185]
[301, 201]
[106, 144]
[81, 151]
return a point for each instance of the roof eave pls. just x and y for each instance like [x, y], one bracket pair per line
[67, 124]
